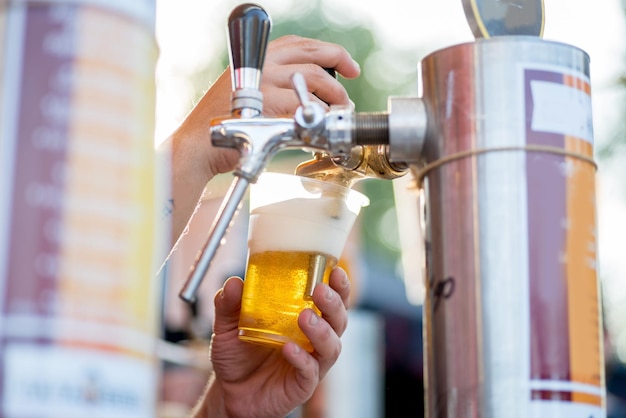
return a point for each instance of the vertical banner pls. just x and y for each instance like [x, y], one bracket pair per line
[78, 292]
[566, 359]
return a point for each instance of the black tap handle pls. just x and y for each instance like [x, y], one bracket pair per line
[248, 30]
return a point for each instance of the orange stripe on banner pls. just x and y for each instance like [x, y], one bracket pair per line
[582, 282]
[579, 146]
[577, 83]
[101, 347]
[587, 398]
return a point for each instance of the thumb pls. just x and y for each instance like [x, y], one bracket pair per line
[227, 306]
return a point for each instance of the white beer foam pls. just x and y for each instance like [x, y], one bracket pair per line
[320, 225]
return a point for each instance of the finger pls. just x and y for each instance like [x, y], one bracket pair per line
[332, 307]
[292, 49]
[227, 306]
[279, 102]
[340, 283]
[285, 102]
[318, 81]
[306, 368]
[324, 88]
[323, 85]
[325, 341]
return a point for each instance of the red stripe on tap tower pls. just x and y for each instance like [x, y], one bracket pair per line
[565, 320]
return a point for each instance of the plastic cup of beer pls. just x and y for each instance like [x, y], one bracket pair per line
[297, 231]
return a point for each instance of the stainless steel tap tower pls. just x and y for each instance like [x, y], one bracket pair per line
[500, 145]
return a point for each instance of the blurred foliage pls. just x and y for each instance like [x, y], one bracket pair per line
[616, 146]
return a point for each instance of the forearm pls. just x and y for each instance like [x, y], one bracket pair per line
[194, 160]
[188, 179]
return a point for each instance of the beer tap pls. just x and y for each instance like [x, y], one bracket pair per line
[258, 138]
[363, 162]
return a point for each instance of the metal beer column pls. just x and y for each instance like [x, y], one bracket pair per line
[512, 312]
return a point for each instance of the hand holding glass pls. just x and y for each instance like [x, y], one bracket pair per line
[298, 229]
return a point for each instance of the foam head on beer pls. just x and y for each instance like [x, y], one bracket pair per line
[298, 229]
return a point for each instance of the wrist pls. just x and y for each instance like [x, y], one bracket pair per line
[211, 404]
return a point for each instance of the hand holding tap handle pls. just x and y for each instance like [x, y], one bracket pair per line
[258, 138]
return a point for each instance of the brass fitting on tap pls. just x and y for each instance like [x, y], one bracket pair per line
[364, 161]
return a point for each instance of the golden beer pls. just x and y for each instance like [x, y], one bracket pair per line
[298, 228]
[273, 318]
